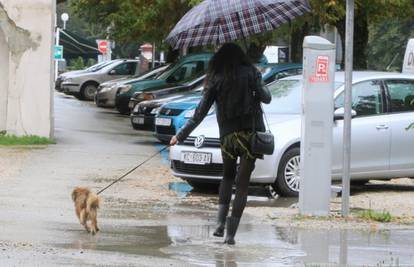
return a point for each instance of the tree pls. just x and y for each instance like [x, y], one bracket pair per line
[367, 11]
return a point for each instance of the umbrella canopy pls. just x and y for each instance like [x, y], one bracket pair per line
[220, 21]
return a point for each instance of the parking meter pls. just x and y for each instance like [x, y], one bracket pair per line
[317, 122]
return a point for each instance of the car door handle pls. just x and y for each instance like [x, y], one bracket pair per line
[382, 127]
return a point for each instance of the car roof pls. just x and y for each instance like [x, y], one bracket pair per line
[362, 75]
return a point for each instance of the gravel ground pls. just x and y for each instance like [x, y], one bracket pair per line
[11, 162]
[149, 186]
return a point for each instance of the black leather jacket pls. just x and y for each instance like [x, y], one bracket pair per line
[237, 105]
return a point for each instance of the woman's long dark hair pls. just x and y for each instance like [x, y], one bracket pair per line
[226, 63]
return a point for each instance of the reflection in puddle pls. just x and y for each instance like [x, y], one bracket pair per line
[181, 188]
[265, 245]
[187, 238]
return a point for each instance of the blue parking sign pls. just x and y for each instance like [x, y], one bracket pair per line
[58, 53]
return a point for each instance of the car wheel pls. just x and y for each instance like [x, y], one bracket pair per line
[123, 111]
[288, 175]
[88, 91]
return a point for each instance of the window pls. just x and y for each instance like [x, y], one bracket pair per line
[283, 74]
[188, 72]
[401, 94]
[366, 98]
[125, 69]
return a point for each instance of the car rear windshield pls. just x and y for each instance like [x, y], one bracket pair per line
[286, 96]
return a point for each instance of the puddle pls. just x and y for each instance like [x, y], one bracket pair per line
[187, 238]
[180, 188]
[165, 154]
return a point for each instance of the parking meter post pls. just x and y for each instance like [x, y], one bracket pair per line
[349, 43]
[317, 123]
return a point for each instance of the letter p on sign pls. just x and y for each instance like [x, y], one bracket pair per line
[322, 63]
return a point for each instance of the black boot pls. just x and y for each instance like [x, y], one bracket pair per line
[232, 224]
[223, 210]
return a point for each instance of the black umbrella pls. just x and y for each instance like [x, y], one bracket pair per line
[220, 21]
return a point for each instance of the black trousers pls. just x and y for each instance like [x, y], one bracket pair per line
[242, 178]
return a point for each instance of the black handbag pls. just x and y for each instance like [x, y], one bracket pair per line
[262, 143]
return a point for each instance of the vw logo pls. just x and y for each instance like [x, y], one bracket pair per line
[199, 141]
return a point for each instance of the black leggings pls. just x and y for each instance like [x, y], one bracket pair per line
[242, 184]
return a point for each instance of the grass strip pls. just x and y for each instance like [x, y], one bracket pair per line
[372, 215]
[13, 140]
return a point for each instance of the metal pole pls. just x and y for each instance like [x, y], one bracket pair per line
[57, 39]
[153, 56]
[349, 42]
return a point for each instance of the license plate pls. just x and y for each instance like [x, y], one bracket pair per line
[198, 158]
[163, 122]
[138, 120]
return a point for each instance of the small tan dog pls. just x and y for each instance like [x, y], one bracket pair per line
[86, 205]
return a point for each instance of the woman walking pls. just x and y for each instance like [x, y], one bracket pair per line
[235, 86]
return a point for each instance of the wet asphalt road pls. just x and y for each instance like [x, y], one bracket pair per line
[38, 226]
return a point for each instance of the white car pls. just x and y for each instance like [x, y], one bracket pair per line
[382, 144]
[84, 85]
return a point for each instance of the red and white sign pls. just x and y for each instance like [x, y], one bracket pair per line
[103, 46]
[322, 66]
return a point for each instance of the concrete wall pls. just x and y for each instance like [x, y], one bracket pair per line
[27, 26]
[4, 80]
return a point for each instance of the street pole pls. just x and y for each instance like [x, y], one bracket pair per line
[349, 42]
[57, 39]
[153, 56]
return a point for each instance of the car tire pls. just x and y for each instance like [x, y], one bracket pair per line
[287, 181]
[123, 111]
[78, 96]
[88, 91]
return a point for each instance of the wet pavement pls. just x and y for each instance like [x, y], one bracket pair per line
[38, 226]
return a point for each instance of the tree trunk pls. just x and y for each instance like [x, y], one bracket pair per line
[172, 55]
[360, 39]
[296, 42]
[255, 51]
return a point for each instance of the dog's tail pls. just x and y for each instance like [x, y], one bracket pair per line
[92, 202]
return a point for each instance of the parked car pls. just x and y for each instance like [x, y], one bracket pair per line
[143, 114]
[182, 110]
[382, 148]
[105, 96]
[185, 69]
[63, 76]
[173, 115]
[85, 85]
[165, 90]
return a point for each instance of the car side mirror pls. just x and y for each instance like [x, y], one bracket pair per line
[112, 72]
[339, 114]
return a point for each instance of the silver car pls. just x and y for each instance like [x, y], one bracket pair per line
[68, 74]
[382, 142]
[84, 85]
[105, 96]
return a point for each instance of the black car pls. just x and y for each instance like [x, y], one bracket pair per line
[143, 114]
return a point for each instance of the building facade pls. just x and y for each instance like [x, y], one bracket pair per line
[26, 66]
